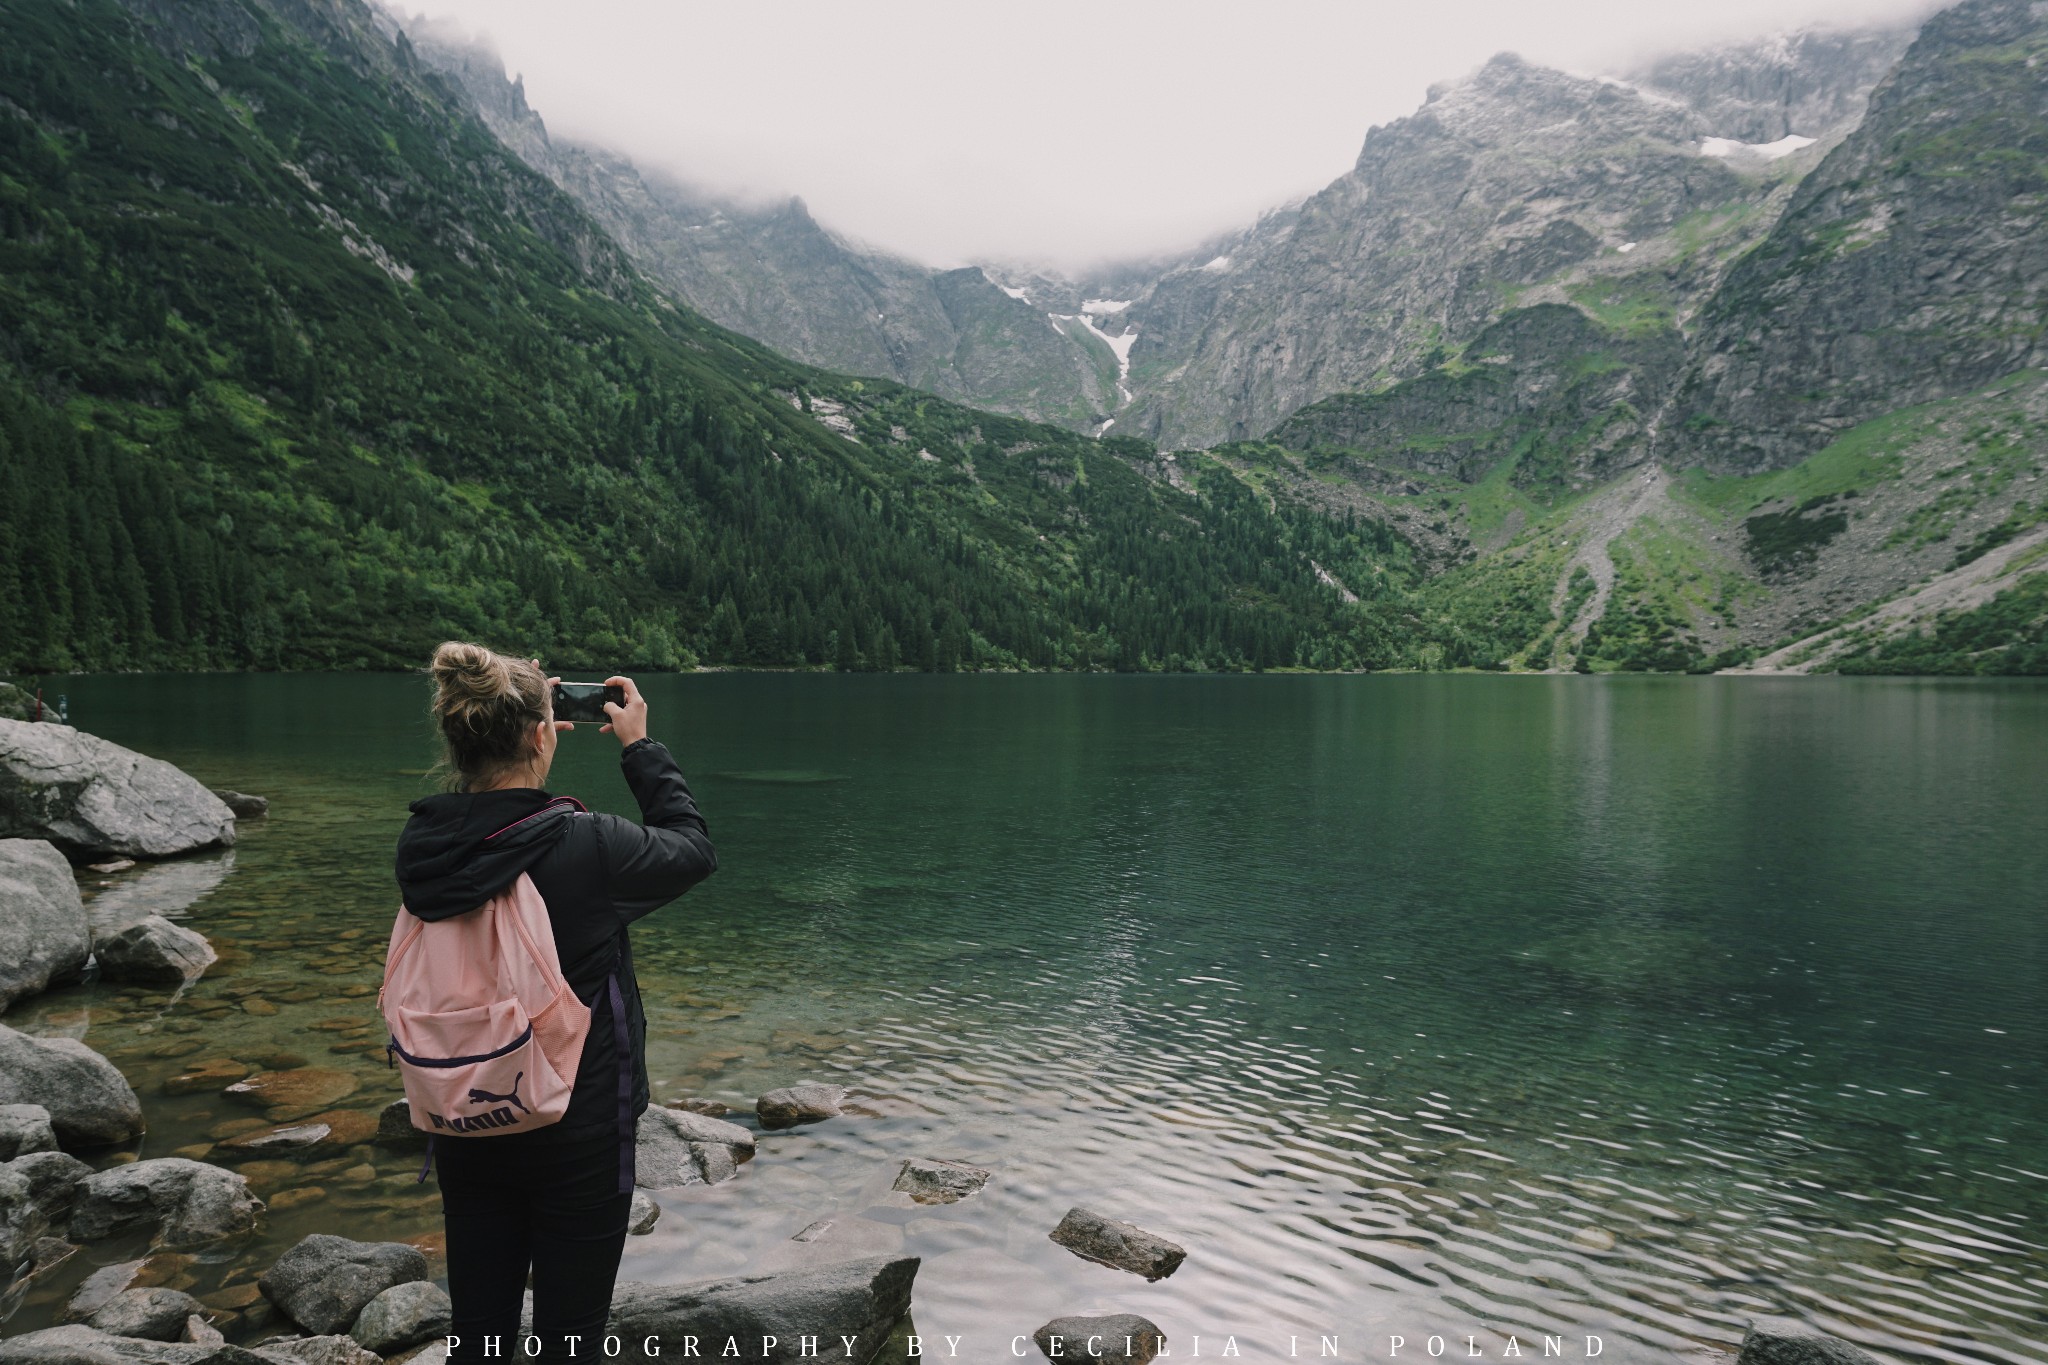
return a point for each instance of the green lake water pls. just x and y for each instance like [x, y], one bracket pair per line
[1459, 1005]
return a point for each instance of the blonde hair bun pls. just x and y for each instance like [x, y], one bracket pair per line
[485, 703]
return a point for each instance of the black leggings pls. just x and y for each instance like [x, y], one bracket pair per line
[511, 1205]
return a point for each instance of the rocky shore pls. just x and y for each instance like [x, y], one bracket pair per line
[171, 1235]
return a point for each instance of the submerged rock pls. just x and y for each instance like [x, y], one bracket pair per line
[293, 1093]
[828, 1240]
[157, 1314]
[153, 949]
[44, 939]
[403, 1315]
[94, 798]
[90, 1104]
[325, 1281]
[794, 1104]
[184, 1202]
[25, 1128]
[1785, 1342]
[862, 1299]
[935, 1180]
[394, 1126]
[673, 1147]
[1116, 1339]
[1123, 1246]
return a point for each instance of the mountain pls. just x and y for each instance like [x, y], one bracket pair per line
[1517, 185]
[775, 274]
[1811, 83]
[1831, 458]
[1911, 265]
[301, 367]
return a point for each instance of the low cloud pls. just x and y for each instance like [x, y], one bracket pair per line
[1061, 131]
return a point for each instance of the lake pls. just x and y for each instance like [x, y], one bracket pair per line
[1460, 1005]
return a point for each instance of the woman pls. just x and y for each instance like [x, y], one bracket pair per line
[553, 1200]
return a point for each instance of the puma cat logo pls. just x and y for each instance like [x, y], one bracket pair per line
[486, 1097]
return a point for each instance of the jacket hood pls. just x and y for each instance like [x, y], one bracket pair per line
[462, 848]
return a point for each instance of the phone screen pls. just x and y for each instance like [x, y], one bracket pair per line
[585, 701]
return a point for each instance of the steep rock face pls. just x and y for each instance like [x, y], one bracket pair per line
[1807, 84]
[1502, 182]
[774, 273]
[1546, 384]
[1911, 265]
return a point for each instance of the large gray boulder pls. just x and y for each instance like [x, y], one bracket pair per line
[157, 1314]
[153, 949]
[90, 1104]
[673, 1147]
[76, 1344]
[862, 1299]
[92, 797]
[25, 1128]
[43, 936]
[1785, 1342]
[1125, 1246]
[403, 1315]
[1113, 1339]
[185, 1203]
[324, 1282]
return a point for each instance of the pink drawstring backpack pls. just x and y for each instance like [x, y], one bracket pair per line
[487, 1030]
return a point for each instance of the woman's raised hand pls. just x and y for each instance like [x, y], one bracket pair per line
[628, 722]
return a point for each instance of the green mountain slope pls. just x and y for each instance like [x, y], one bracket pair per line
[300, 367]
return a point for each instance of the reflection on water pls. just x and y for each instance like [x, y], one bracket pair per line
[1475, 1006]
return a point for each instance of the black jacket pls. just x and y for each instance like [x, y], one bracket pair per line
[598, 873]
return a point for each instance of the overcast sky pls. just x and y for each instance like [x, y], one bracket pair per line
[1060, 131]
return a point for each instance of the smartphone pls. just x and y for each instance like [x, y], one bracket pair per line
[585, 701]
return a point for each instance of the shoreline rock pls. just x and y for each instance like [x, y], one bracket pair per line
[180, 1201]
[95, 799]
[403, 1316]
[44, 937]
[938, 1180]
[24, 1129]
[324, 1283]
[794, 1104]
[153, 949]
[154, 1314]
[675, 1147]
[1119, 1245]
[1784, 1342]
[90, 1102]
[1113, 1339]
[863, 1299]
